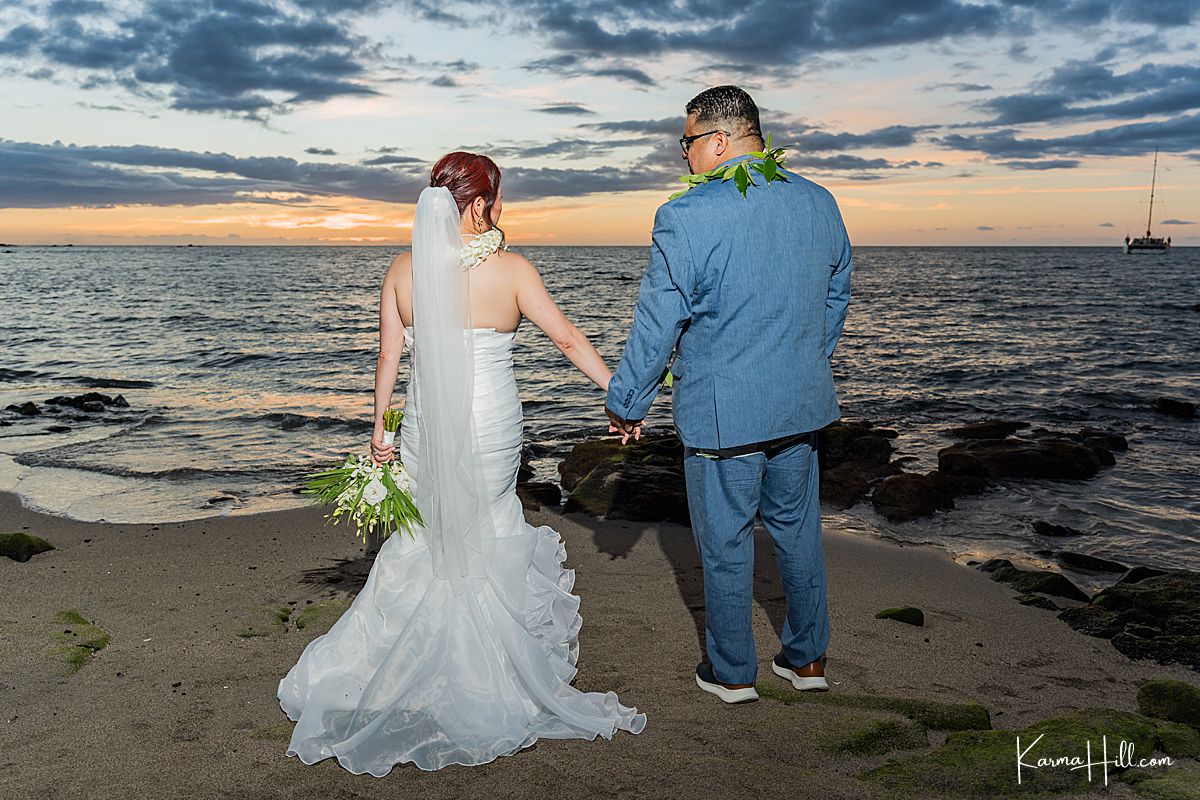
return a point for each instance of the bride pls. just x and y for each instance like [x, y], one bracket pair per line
[462, 644]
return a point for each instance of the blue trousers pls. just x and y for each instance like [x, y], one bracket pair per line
[724, 495]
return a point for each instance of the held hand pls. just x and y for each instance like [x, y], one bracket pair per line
[381, 453]
[624, 427]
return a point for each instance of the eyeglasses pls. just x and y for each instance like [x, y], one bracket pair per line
[685, 143]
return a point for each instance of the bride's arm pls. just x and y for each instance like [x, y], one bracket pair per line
[539, 308]
[387, 365]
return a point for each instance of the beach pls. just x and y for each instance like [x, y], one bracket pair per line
[204, 617]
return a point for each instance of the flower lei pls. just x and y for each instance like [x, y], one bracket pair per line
[475, 251]
[766, 162]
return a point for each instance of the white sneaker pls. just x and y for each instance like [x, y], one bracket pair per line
[708, 683]
[800, 684]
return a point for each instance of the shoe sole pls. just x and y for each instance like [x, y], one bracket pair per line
[814, 684]
[731, 696]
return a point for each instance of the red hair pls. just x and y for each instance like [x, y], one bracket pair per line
[467, 176]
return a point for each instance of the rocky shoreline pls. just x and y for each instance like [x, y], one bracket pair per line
[1149, 613]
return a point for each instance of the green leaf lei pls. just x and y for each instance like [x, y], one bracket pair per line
[767, 162]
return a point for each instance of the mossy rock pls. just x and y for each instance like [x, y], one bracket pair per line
[22, 546]
[909, 614]
[79, 640]
[867, 736]
[1033, 581]
[280, 731]
[1170, 700]
[1178, 740]
[321, 615]
[1176, 782]
[931, 714]
[662, 450]
[266, 620]
[983, 763]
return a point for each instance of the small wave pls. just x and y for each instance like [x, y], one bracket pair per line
[10, 375]
[289, 421]
[259, 474]
[236, 359]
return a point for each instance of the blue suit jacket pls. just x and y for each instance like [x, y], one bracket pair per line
[752, 292]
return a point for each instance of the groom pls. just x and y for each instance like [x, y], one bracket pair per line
[751, 292]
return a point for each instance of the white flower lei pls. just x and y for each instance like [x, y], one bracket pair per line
[475, 251]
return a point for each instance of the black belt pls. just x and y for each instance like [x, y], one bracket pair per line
[770, 448]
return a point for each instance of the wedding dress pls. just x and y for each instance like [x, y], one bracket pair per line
[462, 644]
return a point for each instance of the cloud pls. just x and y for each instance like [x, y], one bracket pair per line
[1177, 222]
[572, 109]
[1179, 134]
[569, 65]
[60, 176]
[1092, 90]
[957, 87]
[246, 57]
[320, 151]
[1106, 225]
[984, 228]
[1056, 163]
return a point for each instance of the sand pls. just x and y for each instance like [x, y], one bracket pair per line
[178, 704]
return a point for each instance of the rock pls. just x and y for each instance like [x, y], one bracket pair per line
[843, 486]
[1044, 528]
[1029, 581]
[1090, 563]
[988, 429]
[90, 401]
[22, 546]
[536, 494]
[663, 450]
[1038, 601]
[981, 763]
[951, 486]
[120, 401]
[908, 496]
[909, 614]
[853, 440]
[1019, 458]
[1178, 740]
[28, 408]
[1098, 437]
[1140, 573]
[1175, 408]
[1170, 700]
[58, 429]
[1156, 617]
[639, 491]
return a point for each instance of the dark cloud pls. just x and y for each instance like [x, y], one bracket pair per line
[569, 65]
[1177, 222]
[1106, 225]
[1090, 89]
[58, 175]
[1180, 134]
[388, 160]
[445, 82]
[957, 87]
[570, 109]
[320, 151]
[1054, 163]
[235, 56]
[984, 228]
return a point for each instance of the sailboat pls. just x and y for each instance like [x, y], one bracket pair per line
[1149, 242]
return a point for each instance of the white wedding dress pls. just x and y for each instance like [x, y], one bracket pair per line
[426, 670]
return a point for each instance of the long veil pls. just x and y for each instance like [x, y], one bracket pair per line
[450, 491]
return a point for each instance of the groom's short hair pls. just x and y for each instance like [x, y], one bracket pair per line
[726, 104]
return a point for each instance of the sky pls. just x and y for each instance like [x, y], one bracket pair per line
[940, 122]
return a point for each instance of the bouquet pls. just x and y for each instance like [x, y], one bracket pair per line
[378, 497]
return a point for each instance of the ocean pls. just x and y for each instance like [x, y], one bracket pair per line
[246, 368]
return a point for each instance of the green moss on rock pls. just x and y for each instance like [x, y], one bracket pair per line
[1178, 740]
[984, 763]
[80, 640]
[929, 713]
[22, 546]
[1176, 782]
[872, 737]
[325, 614]
[909, 614]
[1171, 700]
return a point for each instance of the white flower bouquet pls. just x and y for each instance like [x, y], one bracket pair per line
[378, 497]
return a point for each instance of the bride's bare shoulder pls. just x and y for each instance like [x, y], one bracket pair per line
[515, 263]
[400, 269]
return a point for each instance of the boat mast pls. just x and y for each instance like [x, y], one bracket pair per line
[1153, 178]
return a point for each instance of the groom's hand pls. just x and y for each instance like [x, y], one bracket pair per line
[623, 426]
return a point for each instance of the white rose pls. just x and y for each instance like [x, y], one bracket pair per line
[375, 492]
